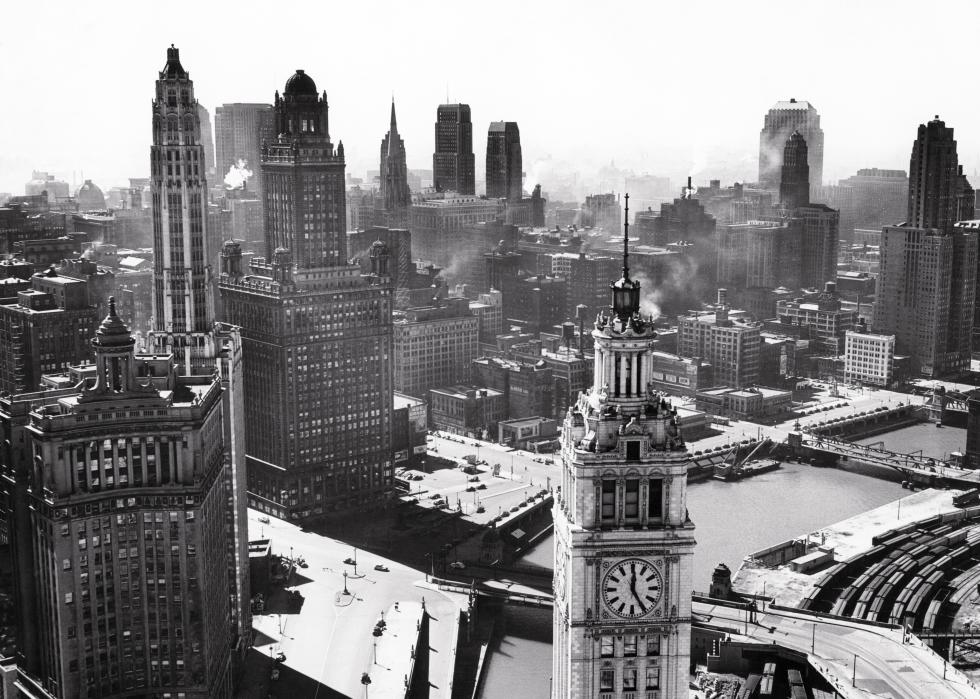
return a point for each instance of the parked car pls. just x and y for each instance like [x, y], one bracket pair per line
[381, 568]
[457, 565]
[264, 519]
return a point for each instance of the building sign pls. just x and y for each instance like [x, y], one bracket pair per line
[420, 449]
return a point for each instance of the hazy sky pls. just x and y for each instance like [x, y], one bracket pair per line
[667, 88]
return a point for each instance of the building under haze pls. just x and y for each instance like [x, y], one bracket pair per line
[780, 122]
[240, 129]
[207, 140]
[926, 289]
[453, 164]
[504, 165]
[395, 196]
[316, 335]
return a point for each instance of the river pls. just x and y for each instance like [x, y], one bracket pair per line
[733, 520]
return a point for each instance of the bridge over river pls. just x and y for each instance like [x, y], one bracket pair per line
[918, 468]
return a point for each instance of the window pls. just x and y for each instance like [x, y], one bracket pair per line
[629, 679]
[655, 508]
[653, 678]
[653, 645]
[629, 646]
[606, 680]
[608, 501]
[606, 647]
[633, 498]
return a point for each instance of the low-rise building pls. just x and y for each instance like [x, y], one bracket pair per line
[532, 433]
[466, 410]
[869, 358]
[408, 428]
[679, 376]
[744, 404]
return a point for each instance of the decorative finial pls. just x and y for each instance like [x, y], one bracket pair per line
[626, 240]
[112, 305]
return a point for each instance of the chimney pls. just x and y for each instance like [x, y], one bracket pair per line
[722, 297]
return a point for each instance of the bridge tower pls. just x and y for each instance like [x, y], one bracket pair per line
[624, 543]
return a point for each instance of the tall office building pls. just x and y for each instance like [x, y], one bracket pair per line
[936, 181]
[395, 194]
[781, 121]
[794, 180]
[927, 280]
[317, 338]
[240, 129]
[727, 339]
[207, 140]
[118, 528]
[624, 544]
[504, 165]
[453, 164]
[183, 304]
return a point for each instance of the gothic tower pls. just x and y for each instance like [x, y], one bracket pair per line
[624, 544]
[183, 300]
[395, 195]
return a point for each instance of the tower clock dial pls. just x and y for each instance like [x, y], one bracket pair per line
[632, 588]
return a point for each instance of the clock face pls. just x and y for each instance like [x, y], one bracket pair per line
[632, 588]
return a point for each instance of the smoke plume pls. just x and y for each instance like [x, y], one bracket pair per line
[238, 175]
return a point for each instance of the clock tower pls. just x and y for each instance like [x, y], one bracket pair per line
[623, 541]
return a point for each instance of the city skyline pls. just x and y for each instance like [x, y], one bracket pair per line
[678, 137]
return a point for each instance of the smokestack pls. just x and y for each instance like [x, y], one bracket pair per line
[722, 297]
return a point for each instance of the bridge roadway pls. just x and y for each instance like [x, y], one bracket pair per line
[860, 660]
[915, 466]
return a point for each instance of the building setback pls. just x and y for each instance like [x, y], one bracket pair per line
[780, 122]
[118, 520]
[453, 164]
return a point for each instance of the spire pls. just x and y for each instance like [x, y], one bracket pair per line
[626, 241]
[393, 131]
[394, 123]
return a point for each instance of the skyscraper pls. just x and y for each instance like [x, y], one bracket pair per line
[624, 543]
[183, 305]
[395, 195]
[303, 179]
[183, 313]
[781, 121]
[317, 338]
[207, 139]
[504, 166]
[120, 556]
[927, 279]
[240, 129]
[936, 180]
[453, 164]
[794, 180]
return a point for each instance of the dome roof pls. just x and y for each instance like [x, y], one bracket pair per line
[300, 84]
[89, 196]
